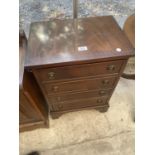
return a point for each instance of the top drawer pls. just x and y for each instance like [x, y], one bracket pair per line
[77, 71]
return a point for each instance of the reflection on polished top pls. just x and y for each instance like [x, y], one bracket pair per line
[74, 40]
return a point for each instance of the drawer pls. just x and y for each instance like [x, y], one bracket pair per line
[79, 85]
[62, 97]
[78, 71]
[82, 103]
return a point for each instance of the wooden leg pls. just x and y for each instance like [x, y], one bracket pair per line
[55, 115]
[47, 123]
[103, 109]
[128, 76]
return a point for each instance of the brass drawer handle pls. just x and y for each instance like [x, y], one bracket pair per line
[102, 92]
[99, 101]
[111, 67]
[105, 82]
[55, 88]
[51, 75]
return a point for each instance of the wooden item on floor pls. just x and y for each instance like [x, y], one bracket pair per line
[77, 63]
[129, 29]
[33, 112]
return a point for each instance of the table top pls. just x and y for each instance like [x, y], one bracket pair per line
[68, 41]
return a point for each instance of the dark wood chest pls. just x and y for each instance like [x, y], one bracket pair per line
[77, 63]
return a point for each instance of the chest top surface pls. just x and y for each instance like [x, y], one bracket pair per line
[76, 40]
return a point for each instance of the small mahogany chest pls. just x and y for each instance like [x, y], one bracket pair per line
[77, 62]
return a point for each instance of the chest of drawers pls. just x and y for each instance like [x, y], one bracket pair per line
[77, 62]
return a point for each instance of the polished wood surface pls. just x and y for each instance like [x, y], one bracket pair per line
[62, 97]
[61, 42]
[79, 71]
[77, 62]
[33, 111]
[101, 108]
[80, 85]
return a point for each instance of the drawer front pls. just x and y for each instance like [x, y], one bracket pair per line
[79, 95]
[79, 85]
[77, 104]
[78, 71]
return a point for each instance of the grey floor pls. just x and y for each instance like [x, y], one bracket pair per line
[38, 10]
[84, 132]
[89, 132]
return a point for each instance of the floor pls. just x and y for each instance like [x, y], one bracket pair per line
[89, 132]
[38, 10]
[86, 132]
[104, 146]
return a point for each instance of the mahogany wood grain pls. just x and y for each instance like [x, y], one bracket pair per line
[62, 97]
[78, 71]
[80, 85]
[73, 58]
[32, 109]
[56, 42]
[27, 114]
